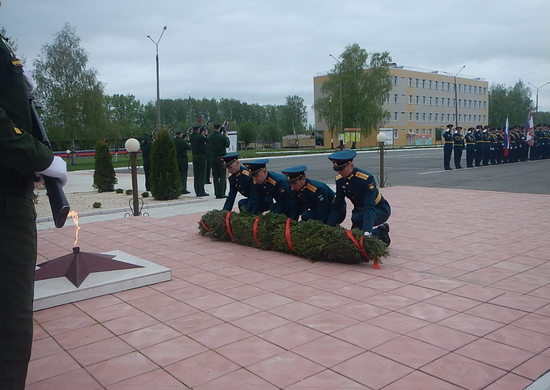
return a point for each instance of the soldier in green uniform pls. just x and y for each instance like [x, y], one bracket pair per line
[146, 145]
[21, 155]
[218, 143]
[198, 148]
[182, 146]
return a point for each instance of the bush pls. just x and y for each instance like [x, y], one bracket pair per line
[165, 176]
[145, 194]
[96, 205]
[129, 192]
[119, 191]
[104, 173]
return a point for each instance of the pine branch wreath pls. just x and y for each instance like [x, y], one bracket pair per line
[312, 240]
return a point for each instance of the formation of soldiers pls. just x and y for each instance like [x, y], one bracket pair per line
[487, 146]
[298, 197]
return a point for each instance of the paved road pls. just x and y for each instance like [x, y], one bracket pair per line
[424, 168]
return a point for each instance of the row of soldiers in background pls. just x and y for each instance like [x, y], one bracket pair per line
[487, 146]
[301, 198]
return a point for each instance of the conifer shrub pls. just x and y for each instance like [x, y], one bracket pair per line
[164, 177]
[104, 173]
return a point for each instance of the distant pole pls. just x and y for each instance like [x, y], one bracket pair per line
[456, 98]
[341, 109]
[537, 88]
[158, 81]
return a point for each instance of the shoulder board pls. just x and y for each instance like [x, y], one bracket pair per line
[271, 181]
[311, 187]
[338, 177]
[245, 172]
[361, 175]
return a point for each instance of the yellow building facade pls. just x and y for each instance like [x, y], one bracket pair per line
[420, 102]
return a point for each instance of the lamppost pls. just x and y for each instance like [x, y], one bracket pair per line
[456, 98]
[381, 138]
[132, 146]
[537, 88]
[190, 115]
[158, 85]
[341, 110]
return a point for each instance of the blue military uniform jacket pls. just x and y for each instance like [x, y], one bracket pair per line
[448, 138]
[359, 187]
[242, 183]
[315, 196]
[276, 187]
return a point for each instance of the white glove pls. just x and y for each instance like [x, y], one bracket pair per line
[29, 81]
[367, 234]
[57, 169]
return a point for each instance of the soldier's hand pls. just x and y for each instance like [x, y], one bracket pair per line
[57, 169]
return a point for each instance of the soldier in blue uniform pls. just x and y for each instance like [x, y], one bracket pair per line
[240, 181]
[458, 146]
[447, 147]
[370, 209]
[478, 135]
[270, 184]
[311, 199]
[470, 147]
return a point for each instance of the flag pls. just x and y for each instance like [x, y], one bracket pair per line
[529, 129]
[506, 138]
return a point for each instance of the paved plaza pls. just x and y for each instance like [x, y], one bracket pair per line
[462, 302]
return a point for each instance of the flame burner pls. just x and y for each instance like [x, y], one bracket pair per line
[78, 265]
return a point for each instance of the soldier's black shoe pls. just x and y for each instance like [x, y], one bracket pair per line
[383, 231]
[449, 169]
[207, 182]
[205, 194]
[221, 197]
[185, 192]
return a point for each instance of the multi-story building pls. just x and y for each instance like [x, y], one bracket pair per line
[420, 102]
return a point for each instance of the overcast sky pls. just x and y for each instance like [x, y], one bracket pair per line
[261, 51]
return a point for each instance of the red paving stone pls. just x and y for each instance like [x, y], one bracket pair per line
[461, 303]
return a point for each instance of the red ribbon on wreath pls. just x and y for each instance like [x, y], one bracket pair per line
[255, 230]
[287, 235]
[361, 248]
[228, 225]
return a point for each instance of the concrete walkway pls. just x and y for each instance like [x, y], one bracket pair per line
[463, 302]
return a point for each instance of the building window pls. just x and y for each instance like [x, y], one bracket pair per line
[416, 83]
[423, 131]
[448, 86]
[469, 118]
[437, 85]
[410, 116]
[484, 116]
[484, 92]
[423, 117]
[430, 131]
[469, 88]
[394, 80]
[459, 102]
[448, 102]
[430, 84]
[395, 98]
[436, 101]
[417, 117]
[448, 117]
[388, 98]
[396, 116]
[460, 117]
[423, 100]
[430, 117]
[417, 99]
[423, 83]
[430, 101]
[417, 131]
[437, 117]
[410, 82]
[484, 106]
[396, 133]
[410, 99]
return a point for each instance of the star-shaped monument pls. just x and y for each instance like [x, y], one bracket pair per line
[78, 265]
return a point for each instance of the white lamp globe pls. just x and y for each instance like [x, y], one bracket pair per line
[381, 137]
[131, 145]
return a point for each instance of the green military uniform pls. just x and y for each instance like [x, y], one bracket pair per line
[146, 146]
[198, 148]
[182, 146]
[218, 144]
[20, 156]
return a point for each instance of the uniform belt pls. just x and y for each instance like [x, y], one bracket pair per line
[449, 142]
[470, 143]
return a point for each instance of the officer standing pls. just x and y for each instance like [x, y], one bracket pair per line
[478, 135]
[21, 155]
[447, 147]
[146, 145]
[470, 147]
[458, 144]
[218, 143]
[486, 147]
[493, 146]
[311, 199]
[370, 209]
[198, 148]
[182, 146]
[271, 185]
[240, 181]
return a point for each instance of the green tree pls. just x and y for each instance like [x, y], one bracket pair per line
[509, 102]
[165, 177]
[269, 134]
[247, 133]
[70, 93]
[366, 81]
[124, 114]
[294, 116]
[104, 173]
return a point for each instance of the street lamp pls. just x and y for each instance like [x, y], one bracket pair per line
[537, 88]
[456, 98]
[341, 111]
[158, 85]
[132, 146]
[190, 115]
[381, 138]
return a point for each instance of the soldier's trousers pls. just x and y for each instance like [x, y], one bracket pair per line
[447, 151]
[183, 166]
[470, 152]
[219, 176]
[199, 173]
[17, 263]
